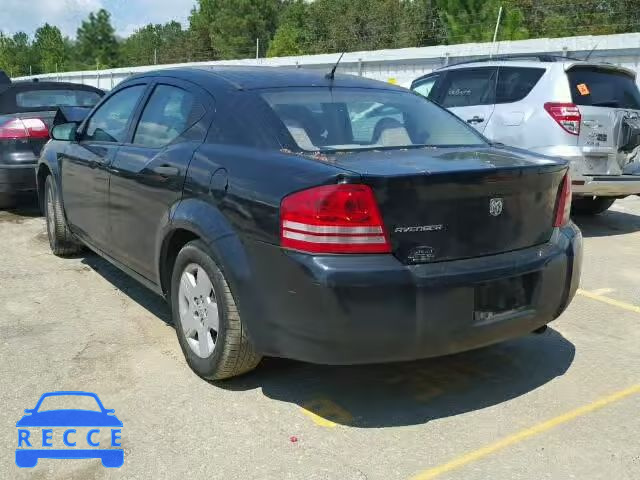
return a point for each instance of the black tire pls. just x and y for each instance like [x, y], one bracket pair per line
[233, 353]
[62, 242]
[591, 205]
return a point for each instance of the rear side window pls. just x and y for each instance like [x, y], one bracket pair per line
[56, 98]
[165, 117]
[468, 87]
[603, 88]
[515, 83]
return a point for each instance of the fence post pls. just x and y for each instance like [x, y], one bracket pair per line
[360, 67]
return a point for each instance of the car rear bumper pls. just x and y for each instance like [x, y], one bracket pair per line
[606, 185]
[609, 182]
[371, 308]
[17, 179]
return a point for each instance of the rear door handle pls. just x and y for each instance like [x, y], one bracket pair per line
[475, 119]
[166, 171]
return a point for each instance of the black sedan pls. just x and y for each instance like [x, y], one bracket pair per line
[27, 111]
[333, 220]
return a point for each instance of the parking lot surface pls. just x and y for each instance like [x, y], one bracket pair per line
[559, 405]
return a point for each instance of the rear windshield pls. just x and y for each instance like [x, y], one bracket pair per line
[323, 119]
[603, 88]
[56, 98]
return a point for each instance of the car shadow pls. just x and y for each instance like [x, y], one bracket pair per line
[384, 395]
[19, 213]
[607, 224]
[130, 287]
[400, 394]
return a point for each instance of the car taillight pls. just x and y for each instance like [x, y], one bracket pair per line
[567, 115]
[23, 128]
[333, 219]
[563, 210]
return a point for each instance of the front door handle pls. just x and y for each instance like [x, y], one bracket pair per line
[166, 171]
[475, 119]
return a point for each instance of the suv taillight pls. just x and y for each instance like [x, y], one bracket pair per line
[23, 128]
[563, 210]
[567, 115]
[333, 219]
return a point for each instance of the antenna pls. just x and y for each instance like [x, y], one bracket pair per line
[331, 75]
[591, 52]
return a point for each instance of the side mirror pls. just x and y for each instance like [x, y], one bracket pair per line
[67, 132]
[109, 411]
[28, 410]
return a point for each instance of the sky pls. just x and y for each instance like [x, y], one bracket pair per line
[126, 15]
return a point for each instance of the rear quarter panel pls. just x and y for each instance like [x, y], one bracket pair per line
[526, 124]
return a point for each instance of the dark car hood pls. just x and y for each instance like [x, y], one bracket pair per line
[435, 160]
[69, 418]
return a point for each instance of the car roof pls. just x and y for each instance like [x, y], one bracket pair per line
[251, 78]
[566, 65]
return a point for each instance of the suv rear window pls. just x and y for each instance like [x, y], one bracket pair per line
[56, 98]
[603, 88]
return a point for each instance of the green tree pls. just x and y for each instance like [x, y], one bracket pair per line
[151, 44]
[475, 20]
[291, 36]
[96, 41]
[49, 46]
[232, 26]
[422, 24]
[17, 55]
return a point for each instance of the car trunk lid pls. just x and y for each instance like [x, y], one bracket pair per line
[443, 204]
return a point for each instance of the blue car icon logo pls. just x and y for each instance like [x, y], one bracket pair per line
[42, 431]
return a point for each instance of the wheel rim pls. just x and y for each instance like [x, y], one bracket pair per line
[50, 214]
[198, 310]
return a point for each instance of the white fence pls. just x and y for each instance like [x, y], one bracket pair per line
[400, 65]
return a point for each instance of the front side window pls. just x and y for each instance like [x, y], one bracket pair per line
[425, 86]
[468, 87]
[109, 122]
[340, 119]
[165, 117]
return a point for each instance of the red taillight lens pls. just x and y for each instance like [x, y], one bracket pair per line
[567, 115]
[333, 219]
[563, 210]
[23, 128]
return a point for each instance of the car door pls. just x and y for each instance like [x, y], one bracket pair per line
[469, 93]
[508, 124]
[85, 162]
[148, 173]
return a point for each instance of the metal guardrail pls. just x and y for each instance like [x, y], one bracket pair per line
[400, 65]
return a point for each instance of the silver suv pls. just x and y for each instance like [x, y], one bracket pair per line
[587, 113]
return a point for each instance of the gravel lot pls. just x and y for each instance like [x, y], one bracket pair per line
[555, 406]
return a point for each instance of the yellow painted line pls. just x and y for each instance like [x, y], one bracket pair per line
[320, 410]
[609, 301]
[318, 420]
[524, 434]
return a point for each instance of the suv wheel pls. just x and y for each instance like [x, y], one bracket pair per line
[61, 240]
[591, 205]
[209, 328]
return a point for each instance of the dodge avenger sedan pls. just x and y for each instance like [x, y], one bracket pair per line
[330, 219]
